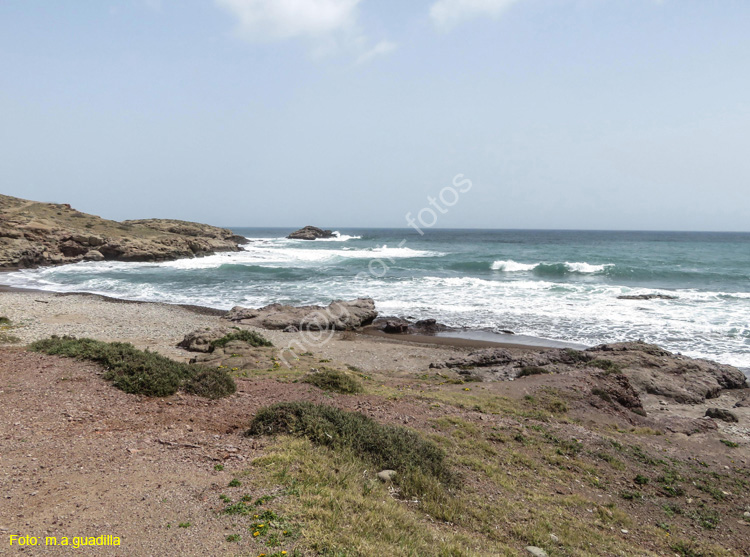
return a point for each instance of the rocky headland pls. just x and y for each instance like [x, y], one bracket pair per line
[36, 234]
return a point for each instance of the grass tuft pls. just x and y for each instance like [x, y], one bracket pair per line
[608, 366]
[5, 336]
[333, 380]
[141, 372]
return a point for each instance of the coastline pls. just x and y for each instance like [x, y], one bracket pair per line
[126, 455]
[428, 340]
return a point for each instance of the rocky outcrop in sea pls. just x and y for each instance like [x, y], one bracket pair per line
[311, 233]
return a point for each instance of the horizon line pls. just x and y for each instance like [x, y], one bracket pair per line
[335, 228]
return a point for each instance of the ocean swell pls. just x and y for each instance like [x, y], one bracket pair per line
[550, 269]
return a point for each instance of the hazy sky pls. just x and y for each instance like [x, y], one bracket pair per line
[604, 114]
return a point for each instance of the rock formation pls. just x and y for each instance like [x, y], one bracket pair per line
[34, 234]
[619, 372]
[338, 315]
[398, 325]
[311, 233]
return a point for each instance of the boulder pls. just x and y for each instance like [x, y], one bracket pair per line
[311, 233]
[721, 414]
[386, 475]
[93, 255]
[339, 315]
[201, 339]
[399, 325]
[396, 326]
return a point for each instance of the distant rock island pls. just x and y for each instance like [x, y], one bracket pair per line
[647, 297]
[35, 234]
[311, 233]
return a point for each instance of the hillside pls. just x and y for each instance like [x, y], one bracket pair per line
[36, 234]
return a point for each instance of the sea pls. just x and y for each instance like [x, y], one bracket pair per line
[550, 285]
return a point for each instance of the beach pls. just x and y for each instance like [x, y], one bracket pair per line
[82, 458]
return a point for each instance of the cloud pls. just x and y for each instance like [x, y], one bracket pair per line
[286, 19]
[447, 13]
[380, 49]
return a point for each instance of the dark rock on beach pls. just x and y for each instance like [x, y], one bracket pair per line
[398, 325]
[310, 233]
[34, 234]
[339, 315]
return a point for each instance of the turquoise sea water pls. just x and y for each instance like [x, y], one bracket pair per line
[560, 285]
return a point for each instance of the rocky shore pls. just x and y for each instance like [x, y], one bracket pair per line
[35, 234]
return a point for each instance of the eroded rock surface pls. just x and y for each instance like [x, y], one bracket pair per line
[339, 315]
[615, 373]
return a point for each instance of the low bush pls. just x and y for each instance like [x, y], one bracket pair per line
[141, 372]
[250, 337]
[532, 370]
[385, 446]
[333, 380]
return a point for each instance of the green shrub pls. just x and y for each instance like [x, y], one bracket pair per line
[137, 372]
[333, 380]
[386, 447]
[210, 383]
[250, 337]
[608, 366]
[577, 355]
[532, 370]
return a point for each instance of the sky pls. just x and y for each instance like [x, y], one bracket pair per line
[563, 114]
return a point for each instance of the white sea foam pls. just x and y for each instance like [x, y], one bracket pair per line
[339, 237]
[586, 268]
[511, 266]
